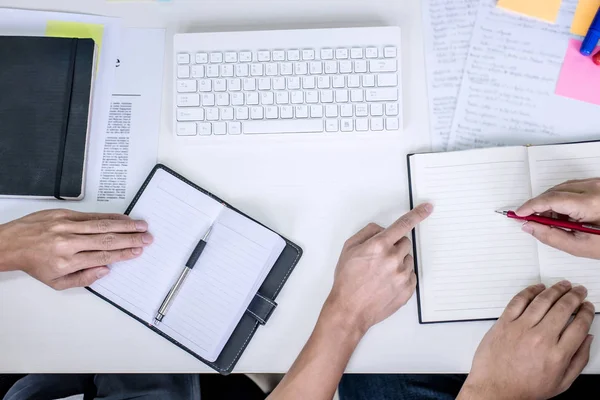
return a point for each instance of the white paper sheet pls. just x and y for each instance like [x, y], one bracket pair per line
[139, 77]
[447, 30]
[507, 94]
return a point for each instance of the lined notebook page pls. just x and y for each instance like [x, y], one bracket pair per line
[472, 261]
[550, 166]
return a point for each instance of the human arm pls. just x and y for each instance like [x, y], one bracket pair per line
[577, 200]
[534, 351]
[65, 249]
[373, 279]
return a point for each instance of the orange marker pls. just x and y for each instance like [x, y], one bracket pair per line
[597, 58]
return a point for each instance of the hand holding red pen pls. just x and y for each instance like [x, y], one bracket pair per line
[576, 200]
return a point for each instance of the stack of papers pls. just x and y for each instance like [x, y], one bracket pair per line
[508, 72]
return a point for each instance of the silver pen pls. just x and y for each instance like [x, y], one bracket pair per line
[162, 311]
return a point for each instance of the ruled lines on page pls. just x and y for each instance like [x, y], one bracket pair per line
[472, 261]
[550, 166]
[177, 216]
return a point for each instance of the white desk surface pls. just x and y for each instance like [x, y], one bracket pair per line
[317, 194]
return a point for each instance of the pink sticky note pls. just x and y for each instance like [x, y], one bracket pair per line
[580, 77]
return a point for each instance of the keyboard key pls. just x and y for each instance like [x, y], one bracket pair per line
[242, 113]
[341, 54]
[204, 129]
[341, 96]
[391, 124]
[188, 100]
[237, 99]
[286, 68]
[190, 114]
[279, 83]
[331, 67]
[362, 124]
[201, 58]
[220, 128]
[339, 81]
[312, 96]
[227, 70]
[308, 54]
[300, 68]
[326, 96]
[293, 55]
[222, 99]
[316, 111]
[216, 58]
[183, 58]
[241, 70]
[345, 67]
[362, 110]
[376, 110]
[256, 69]
[227, 113]
[301, 111]
[382, 95]
[389, 52]
[271, 112]
[231, 57]
[198, 71]
[208, 99]
[183, 71]
[234, 128]
[391, 109]
[245, 56]
[271, 69]
[187, 86]
[265, 127]
[353, 81]
[331, 125]
[386, 80]
[308, 82]
[323, 82]
[360, 66]
[249, 84]
[297, 97]
[372, 52]
[283, 98]
[256, 113]
[267, 98]
[346, 110]
[186, 129]
[279, 55]
[383, 66]
[377, 124]
[331, 110]
[368, 80]
[264, 84]
[212, 71]
[287, 112]
[326, 54]
[356, 52]
[357, 95]
[293, 82]
[252, 98]
[234, 85]
[315, 67]
[264, 56]
[219, 85]
[347, 125]
[212, 114]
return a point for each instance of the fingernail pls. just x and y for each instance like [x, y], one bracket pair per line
[565, 283]
[137, 251]
[102, 273]
[428, 207]
[590, 305]
[147, 238]
[540, 286]
[580, 289]
[141, 226]
[527, 229]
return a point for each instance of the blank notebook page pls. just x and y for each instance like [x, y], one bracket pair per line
[550, 166]
[238, 256]
[471, 261]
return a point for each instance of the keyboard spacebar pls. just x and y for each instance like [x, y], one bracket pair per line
[291, 126]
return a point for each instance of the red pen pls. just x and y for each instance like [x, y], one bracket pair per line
[557, 223]
[596, 58]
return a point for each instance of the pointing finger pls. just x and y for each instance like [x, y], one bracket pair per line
[406, 223]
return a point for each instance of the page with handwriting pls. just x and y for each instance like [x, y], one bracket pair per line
[550, 166]
[447, 30]
[507, 95]
[471, 261]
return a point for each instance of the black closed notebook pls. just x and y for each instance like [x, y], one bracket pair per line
[45, 91]
[232, 288]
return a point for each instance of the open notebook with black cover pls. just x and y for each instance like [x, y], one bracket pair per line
[45, 92]
[231, 290]
[471, 261]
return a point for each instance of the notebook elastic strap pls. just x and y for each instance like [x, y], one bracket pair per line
[66, 115]
[261, 308]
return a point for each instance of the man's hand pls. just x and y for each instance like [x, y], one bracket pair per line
[66, 249]
[375, 274]
[533, 352]
[578, 200]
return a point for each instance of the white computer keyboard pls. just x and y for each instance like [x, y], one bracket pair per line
[325, 81]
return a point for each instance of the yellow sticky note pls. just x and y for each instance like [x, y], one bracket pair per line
[78, 30]
[546, 10]
[584, 15]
